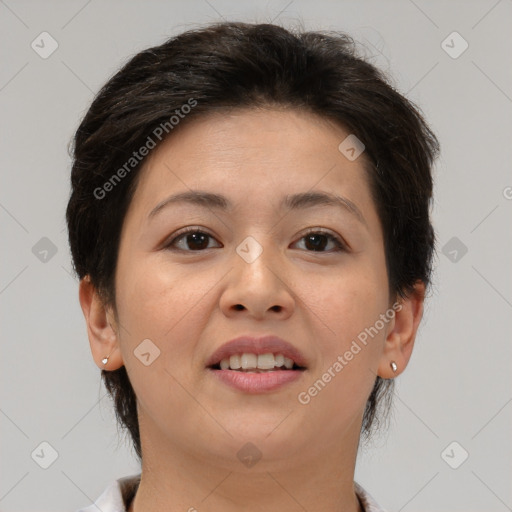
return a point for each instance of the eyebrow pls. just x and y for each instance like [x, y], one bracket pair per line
[291, 202]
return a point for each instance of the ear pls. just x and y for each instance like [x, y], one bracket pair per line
[103, 337]
[402, 333]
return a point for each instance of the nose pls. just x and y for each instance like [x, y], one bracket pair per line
[258, 288]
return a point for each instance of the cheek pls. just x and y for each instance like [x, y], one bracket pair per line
[349, 351]
[155, 295]
[167, 304]
[352, 301]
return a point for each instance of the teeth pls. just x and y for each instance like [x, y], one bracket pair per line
[234, 362]
[249, 361]
[288, 363]
[266, 361]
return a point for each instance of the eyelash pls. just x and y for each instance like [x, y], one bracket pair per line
[340, 245]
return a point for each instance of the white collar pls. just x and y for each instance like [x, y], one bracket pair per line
[113, 497]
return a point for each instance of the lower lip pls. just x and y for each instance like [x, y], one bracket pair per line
[257, 382]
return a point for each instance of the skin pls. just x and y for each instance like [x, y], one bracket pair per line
[189, 303]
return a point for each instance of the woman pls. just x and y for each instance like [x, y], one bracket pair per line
[249, 220]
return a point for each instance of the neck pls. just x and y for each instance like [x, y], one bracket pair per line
[178, 478]
[228, 494]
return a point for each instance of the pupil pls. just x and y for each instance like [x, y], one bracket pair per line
[317, 244]
[198, 238]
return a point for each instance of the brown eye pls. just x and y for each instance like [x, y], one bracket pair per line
[195, 240]
[191, 240]
[317, 241]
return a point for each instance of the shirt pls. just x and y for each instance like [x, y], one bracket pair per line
[119, 494]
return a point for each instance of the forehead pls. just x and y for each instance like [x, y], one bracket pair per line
[252, 156]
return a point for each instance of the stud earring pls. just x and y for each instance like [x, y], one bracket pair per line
[105, 360]
[393, 365]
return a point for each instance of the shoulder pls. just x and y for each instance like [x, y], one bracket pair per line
[116, 496]
[369, 504]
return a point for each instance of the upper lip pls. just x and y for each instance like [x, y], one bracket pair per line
[257, 345]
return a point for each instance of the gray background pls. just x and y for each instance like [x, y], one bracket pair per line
[458, 384]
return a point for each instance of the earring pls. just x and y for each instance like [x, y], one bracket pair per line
[105, 360]
[393, 365]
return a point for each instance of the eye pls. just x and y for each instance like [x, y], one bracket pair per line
[193, 238]
[318, 239]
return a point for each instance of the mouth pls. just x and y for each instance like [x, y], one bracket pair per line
[257, 365]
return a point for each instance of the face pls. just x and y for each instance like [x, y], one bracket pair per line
[315, 276]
